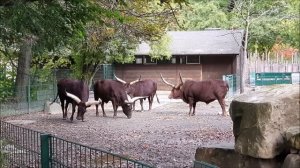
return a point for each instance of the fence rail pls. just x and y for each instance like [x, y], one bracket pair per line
[28, 148]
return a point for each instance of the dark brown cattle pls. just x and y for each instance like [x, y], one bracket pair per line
[75, 92]
[146, 88]
[112, 90]
[192, 91]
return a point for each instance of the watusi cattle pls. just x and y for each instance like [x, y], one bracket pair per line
[114, 91]
[192, 91]
[146, 88]
[75, 92]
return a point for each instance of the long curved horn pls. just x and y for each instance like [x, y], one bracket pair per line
[132, 100]
[166, 81]
[72, 96]
[135, 81]
[181, 82]
[89, 103]
[120, 80]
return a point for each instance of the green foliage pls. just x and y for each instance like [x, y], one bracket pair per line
[267, 20]
[160, 49]
[7, 77]
[201, 15]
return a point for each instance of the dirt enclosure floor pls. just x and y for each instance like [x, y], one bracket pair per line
[163, 137]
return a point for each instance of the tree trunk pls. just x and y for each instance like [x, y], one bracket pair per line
[244, 62]
[23, 69]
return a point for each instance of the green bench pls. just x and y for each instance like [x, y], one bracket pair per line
[271, 78]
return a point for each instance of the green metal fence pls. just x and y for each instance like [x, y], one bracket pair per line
[108, 71]
[28, 148]
[232, 82]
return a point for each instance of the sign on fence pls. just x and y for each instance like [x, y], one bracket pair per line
[271, 78]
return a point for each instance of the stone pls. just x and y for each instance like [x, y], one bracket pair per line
[225, 156]
[292, 136]
[291, 161]
[261, 118]
[54, 108]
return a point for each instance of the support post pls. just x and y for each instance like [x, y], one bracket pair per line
[45, 150]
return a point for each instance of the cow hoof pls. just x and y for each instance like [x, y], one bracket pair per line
[192, 114]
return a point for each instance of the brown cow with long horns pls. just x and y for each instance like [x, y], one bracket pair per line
[146, 88]
[114, 91]
[75, 92]
[192, 91]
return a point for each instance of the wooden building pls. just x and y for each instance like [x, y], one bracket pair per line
[197, 55]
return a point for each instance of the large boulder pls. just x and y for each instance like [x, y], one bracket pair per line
[292, 135]
[261, 118]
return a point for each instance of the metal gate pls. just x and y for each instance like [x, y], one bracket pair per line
[108, 71]
[232, 82]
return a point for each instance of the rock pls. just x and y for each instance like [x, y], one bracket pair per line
[225, 156]
[292, 135]
[261, 118]
[54, 108]
[291, 161]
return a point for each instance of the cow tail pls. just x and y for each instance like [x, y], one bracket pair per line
[54, 99]
[157, 98]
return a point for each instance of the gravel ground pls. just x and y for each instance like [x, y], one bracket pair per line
[163, 137]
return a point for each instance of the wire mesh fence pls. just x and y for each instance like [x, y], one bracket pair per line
[28, 148]
[21, 146]
[36, 96]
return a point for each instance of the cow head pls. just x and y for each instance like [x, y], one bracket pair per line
[127, 106]
[128, 85]
[176, 92]
[82, 105]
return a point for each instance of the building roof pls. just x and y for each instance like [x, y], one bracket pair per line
[201, 42]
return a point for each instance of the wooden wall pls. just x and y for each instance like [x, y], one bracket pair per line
[211, 67]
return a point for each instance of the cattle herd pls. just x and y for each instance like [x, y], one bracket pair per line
[125, 94]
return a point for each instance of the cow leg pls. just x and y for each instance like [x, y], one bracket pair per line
[102, 106]
[150, 101]
[222, 104]
[191, 103]
[63, 109]
[190, 108]
[97, 112]
[115, 109]
[66, 110]
[141, 103]
[73, 111]
[194, 107]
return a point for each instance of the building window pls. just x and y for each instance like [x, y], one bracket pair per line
[193, 59]
[138, 60]
[173, 60]
[147, 60]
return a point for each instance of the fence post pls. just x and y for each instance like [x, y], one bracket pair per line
[28, 95]
[45, 150]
